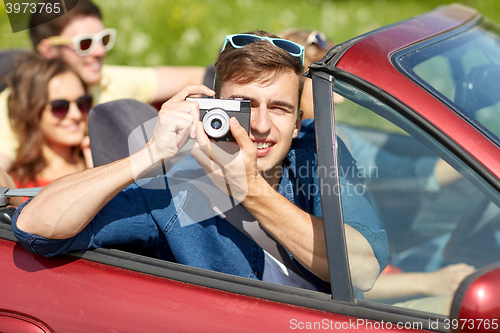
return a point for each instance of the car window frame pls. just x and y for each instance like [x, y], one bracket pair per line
[325, 116]
[342, 290]
[331, 205]
[400, 62]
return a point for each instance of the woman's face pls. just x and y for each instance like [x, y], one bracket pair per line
[69, 130]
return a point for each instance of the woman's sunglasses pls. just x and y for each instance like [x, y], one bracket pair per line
[60, 107]
[240, 40]
[85, 44]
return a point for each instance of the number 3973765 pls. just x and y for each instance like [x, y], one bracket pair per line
[472, 324]
[33, 8]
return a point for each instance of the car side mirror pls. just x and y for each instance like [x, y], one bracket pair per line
[476, 304]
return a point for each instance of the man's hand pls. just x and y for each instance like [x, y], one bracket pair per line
[231, 166]
[176, 122]
[87, 154]
[446, 280]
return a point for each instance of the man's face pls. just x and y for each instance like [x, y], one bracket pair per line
[88, 67]
[275, 119]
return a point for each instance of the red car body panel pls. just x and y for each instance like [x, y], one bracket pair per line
[480, 305]
[371, 56]
[15, 323]
[76, 295]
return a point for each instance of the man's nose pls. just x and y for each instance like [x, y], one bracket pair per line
[260, 121]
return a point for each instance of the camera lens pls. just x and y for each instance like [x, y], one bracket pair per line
[216, 123]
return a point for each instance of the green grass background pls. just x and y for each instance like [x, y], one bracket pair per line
[190, 32]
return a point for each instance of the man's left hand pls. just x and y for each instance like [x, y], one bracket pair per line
[232, 167]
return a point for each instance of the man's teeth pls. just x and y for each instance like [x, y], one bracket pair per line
[262, 145]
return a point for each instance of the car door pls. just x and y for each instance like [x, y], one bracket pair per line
[123, 291]
[438, 211]
[111, 289]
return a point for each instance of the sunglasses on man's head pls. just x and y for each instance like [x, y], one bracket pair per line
[240, 40]
[85, 44]
[60, 107]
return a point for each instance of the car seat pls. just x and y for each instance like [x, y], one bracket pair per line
[110, 126]
[7, 61]
[120, 128]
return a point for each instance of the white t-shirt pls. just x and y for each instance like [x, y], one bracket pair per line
[276, 272]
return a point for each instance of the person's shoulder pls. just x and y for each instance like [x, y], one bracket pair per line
[4, 94]
[4, 97]
[307, 128]
[305, 143]
[306, 138]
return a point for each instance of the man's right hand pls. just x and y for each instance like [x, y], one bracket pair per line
[176, 122]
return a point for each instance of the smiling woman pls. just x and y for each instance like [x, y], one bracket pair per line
[48, 108]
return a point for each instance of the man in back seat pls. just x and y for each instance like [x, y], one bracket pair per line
[273, 175]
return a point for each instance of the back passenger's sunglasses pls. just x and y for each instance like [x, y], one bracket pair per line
[318, 38]
[240, 40]
[60, 107]
[85, 44]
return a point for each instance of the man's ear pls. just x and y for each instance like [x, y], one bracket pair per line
[300, 115]
[47, 50]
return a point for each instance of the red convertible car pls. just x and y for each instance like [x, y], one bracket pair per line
[421, 116]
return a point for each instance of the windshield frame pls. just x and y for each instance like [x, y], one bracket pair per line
[401, 62]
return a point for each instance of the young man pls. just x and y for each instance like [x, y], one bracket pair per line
[103, 207]
[79, 38]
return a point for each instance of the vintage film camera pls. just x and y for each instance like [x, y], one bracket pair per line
[215, 115]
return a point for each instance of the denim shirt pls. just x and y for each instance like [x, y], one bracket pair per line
[174, 218]
[300, 185]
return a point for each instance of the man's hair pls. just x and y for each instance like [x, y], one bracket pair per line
[29, 82]
[84, 8]
[259, 61]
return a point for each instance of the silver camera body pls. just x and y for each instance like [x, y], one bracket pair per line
[215, 115]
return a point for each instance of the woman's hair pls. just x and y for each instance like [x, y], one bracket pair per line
[255, 62]
[28, 98]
